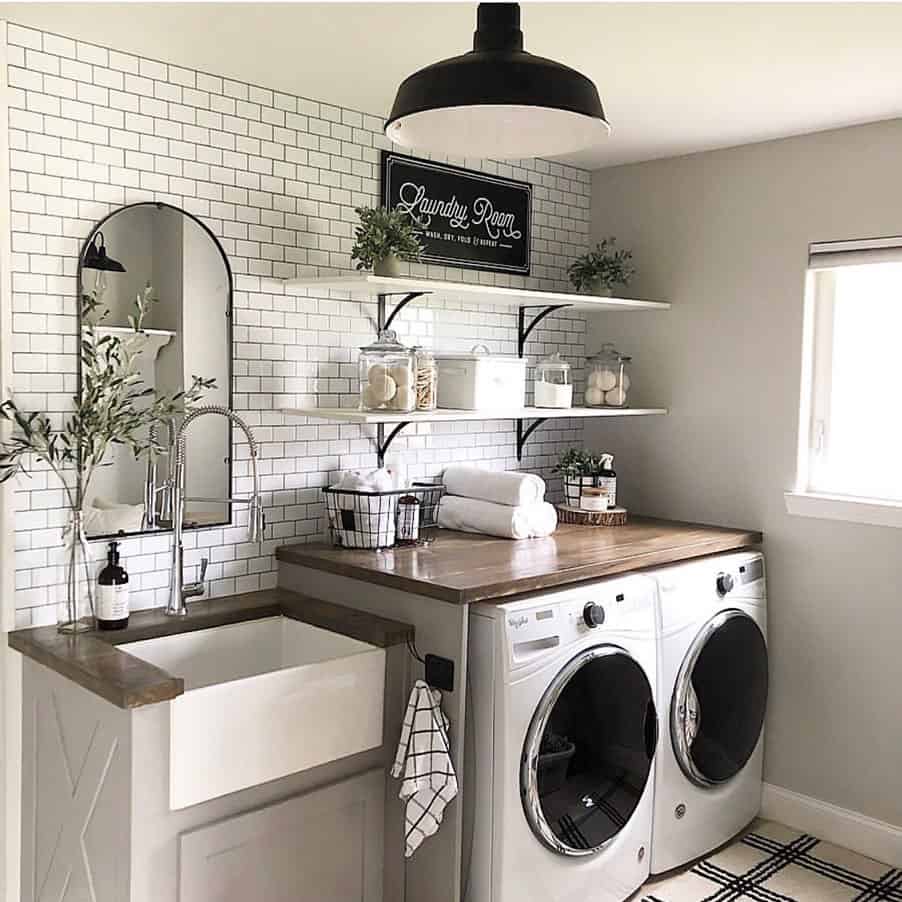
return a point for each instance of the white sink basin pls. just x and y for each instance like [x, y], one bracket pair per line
[264, 699]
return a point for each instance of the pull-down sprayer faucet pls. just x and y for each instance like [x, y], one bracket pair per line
[178, 591]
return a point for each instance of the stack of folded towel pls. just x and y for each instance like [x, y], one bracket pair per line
[507, 504]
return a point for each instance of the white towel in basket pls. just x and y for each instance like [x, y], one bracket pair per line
[372, 520]
[423, 761]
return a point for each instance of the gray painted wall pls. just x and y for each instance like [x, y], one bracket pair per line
[724, 236]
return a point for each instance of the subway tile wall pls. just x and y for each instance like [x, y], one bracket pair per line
[276, 177]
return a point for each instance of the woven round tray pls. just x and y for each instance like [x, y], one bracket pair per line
[616, 516]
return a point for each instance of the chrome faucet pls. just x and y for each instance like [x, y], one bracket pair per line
[179, 591]
[158, 497]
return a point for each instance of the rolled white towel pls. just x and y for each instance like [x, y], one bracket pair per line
[376, 480]
[526, 521]
[500, 486]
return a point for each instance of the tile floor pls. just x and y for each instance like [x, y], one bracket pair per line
[773, 863]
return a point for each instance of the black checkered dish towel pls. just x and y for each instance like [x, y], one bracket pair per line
[423, 762]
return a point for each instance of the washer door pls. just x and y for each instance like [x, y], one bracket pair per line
[719, 699]
[588, 751]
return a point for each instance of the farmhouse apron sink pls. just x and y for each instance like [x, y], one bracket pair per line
[264, 699]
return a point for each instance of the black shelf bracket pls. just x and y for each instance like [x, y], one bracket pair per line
[524, 329]
[524, 434]
[384, 322]
[382, 443]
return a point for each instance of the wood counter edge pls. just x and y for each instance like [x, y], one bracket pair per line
[96, 663]
[728, 539]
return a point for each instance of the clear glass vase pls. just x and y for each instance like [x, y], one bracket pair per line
[76, 611]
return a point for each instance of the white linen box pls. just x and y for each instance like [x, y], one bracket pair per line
[479, 380]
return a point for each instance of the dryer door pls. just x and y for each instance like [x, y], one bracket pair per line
[719, 699]
[588, 751]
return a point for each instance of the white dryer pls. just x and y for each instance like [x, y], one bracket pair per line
[712, 671]
[560, 761]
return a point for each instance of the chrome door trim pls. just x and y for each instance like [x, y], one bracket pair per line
[529, 783]
[685, 711]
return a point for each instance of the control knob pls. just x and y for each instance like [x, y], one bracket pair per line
[593, 615]
[724, 584]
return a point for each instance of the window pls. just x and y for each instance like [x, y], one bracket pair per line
[850, 431]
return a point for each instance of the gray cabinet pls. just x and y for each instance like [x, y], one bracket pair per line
[324, 844]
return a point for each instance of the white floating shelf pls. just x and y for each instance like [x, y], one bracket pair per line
[375, 417]
[368, 285]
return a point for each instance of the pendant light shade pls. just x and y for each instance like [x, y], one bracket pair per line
[95, 257]
[497, 100]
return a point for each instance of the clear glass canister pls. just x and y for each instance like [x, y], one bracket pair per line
[426, 380]
[387, 371]
[608, 380]
[553, 383]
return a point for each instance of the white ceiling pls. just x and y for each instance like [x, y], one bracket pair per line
[674, 78]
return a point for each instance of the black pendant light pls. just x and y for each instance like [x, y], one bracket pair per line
[497, 100]
[96, 258]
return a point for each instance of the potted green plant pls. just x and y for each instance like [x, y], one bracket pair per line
[579, 469]
[383, 239]
[114, 407]
[600, 269]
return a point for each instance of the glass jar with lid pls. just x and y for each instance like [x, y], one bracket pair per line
[553, 385]
[426, 381]
[387, 371]
[608, 379]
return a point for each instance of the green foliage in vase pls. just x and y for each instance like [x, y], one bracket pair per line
[576, 462]
[603, 266]
[115, 407]
[384, 232]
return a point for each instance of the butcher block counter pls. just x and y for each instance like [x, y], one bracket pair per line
[463, 568]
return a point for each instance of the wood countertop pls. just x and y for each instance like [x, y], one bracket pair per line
[462, 568]
[93, 661]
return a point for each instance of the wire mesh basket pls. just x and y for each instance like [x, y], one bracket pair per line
[383, 519]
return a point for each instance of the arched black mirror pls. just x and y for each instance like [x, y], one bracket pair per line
[174, 264]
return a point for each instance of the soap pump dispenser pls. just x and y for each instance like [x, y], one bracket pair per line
[112, 595]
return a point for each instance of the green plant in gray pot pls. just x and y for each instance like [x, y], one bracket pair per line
[599, 270]
[383, 239]
[579, 470]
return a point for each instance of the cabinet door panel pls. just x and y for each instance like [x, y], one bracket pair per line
[323, 846]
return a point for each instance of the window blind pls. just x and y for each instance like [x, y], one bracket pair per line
[831, 254]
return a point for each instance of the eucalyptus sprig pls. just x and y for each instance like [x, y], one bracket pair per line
[114, 407]
[604, 265]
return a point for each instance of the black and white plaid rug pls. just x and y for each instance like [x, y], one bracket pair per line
[773, 863]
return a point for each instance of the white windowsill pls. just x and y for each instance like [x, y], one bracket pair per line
[873, 511]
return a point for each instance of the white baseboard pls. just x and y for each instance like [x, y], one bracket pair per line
[862, 834]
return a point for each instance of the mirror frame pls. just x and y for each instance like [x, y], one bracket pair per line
[98, 227]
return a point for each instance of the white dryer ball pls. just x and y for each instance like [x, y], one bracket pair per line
[403, 399]
[376, 372]
[368, 400]
[592, 381]
[594, 397]
[403, 375]
[607, 379]
[383, 388]
[616, 397]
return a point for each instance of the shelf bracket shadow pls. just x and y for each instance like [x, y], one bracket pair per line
[383, 442]
[524, 434]
[524, 329]
[384, 322]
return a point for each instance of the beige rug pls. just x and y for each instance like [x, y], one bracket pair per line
[772, 863]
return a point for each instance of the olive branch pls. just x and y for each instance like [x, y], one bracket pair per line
[114, 407]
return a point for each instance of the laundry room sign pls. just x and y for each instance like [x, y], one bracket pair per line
[465, 218]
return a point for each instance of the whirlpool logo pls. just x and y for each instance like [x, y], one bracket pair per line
[518, 622]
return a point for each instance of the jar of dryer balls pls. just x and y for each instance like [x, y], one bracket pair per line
[607, 379]
[387, 375]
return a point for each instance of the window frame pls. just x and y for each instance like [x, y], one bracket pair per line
[807, 499]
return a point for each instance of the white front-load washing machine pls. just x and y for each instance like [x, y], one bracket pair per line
[712, 687]
[560, 753]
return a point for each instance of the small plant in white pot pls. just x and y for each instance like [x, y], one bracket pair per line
[383, 239]
[599, 270]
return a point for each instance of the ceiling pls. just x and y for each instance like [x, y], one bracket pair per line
[675, 78]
